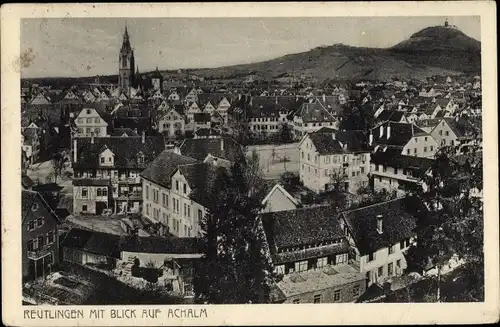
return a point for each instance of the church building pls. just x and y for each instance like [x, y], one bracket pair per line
[126, 67]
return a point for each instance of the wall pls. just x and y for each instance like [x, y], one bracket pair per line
[315, 170]
[88, 122]
[90, 200]
[50, 224]
[188, 225]
[425, 146]
[327, 295]
[439, 134]
[278, 201]
[382, 259]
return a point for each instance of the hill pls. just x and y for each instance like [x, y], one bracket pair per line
[432, 51]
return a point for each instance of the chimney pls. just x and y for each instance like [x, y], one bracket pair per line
[381, 131]
[143, 137]
[379, 224]
[74, 150]
[370, 139]
[222, 144]
[92, 138]
[324, 97]
[388, 131]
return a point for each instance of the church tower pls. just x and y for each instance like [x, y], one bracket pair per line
[126, 64]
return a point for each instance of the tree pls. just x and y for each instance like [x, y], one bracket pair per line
[235, 267]
[452, 222]
[59, 160]
[285, 135]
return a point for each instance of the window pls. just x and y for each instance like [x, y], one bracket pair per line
[371, 256]
[355, 290]
[84, 208]
[425, 149]
[104, 192]
[189, 211]
[341, 258]
[432, 148]
[398, 263]
[302, 154]
[185, 210]
[84, 192]
[102, 160]
[362, 170]
[390, 269]
[317, 298]
[380, 271]
[322, 262]
[89, 120]
[296, 301]
[447, 133]
[200, 214]
[353, 173]
[177, 185]
[452, 142]
[345, 158]
[99, 192]
[31, 225]
[147, 192]
[425, 139]
[407, 151]
[391, 249]
[301, 266]
[184, 186]
[440, 132]
[97, 120]
[308, 157]
[39, 222]
[336, 296]
[32, 245]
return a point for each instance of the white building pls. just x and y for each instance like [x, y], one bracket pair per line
[90, 123]
[380, 234]
[328, 154]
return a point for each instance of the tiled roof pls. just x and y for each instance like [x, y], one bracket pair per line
[174, 245]
[400, 133]
[401, 161]
[325, 143]
[207, 132]
[162, 168]
[398, 224]
[301, 226]
[93, 242]
[122, 130]
[201, 179]
[391, 115]
[125, 149]
[314, 112]
[203, 117]
[225, 148]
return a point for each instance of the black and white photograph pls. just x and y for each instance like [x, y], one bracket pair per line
[250, 160]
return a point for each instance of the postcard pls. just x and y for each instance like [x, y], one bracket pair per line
[249, 163]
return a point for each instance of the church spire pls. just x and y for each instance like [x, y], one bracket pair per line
[126, 40]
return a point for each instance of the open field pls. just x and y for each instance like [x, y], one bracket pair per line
[286, 158]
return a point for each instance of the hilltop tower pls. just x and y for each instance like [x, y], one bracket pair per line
[446, 23]
[126, 64]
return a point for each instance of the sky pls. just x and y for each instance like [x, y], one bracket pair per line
[74, 47]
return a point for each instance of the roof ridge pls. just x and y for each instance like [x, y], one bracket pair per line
[374, 204]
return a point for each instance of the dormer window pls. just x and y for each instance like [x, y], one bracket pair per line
[140, 158]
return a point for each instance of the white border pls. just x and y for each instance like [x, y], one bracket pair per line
[251, 314]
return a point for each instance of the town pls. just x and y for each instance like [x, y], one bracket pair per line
[321, 191]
